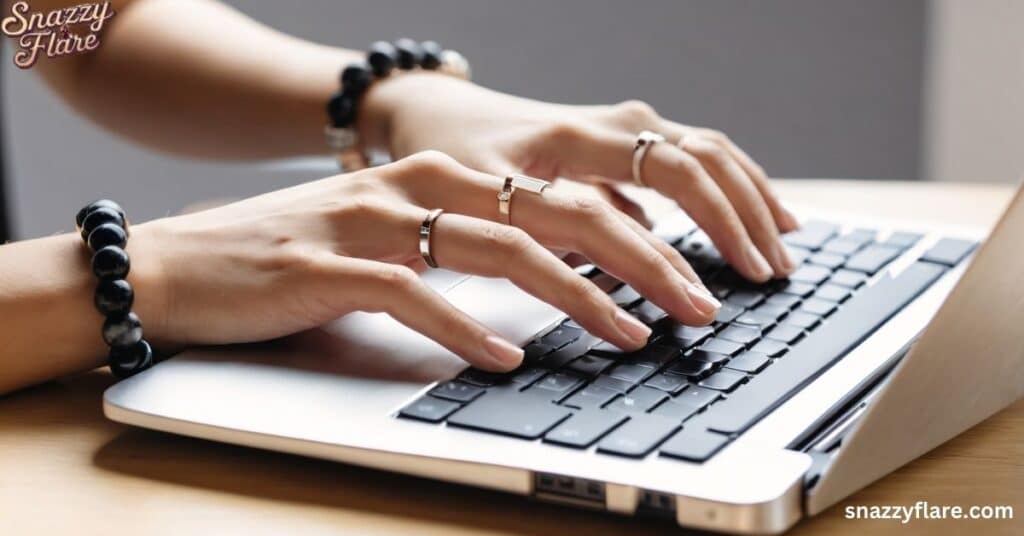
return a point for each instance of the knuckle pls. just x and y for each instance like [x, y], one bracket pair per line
[590, 208]
[431, 162]
[636, 110]
[563, 132]
[397, 277]
[508, 242]
[716, 136]
[581, 290]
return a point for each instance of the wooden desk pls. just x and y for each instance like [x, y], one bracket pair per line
[65, 469]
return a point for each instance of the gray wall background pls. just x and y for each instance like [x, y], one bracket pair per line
[808, 87]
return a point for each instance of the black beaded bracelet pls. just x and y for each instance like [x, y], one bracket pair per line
[382, 59]
[104, 229]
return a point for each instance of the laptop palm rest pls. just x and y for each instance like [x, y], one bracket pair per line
[967, 365]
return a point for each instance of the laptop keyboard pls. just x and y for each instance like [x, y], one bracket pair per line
[692, 390]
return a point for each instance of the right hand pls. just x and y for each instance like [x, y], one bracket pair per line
[297, 258]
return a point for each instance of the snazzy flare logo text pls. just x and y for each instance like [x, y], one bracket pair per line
[53, 32]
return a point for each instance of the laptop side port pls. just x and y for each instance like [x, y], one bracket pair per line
[656, 503]
[569, 490]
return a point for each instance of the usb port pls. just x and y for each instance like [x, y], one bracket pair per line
[657, 503]
[568, 489]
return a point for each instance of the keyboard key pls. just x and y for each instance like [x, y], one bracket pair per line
[799, 255]
[728, 312]
[797, 288]
[833, 293]
[559, 382]
[676, 411]
[745, 298]
[903, 239]
[949, 251]
[693, 444]
[802, 320]
[842, 246]
[861, 316]
[757, 320]
[625, 296]
[649, 314]
[691, 368]
[561, 336]
[482, 378]
[654, 356]
[518, 416]
[848, 278]
[770, 348]
[749, 362]
[534, 351]
[640, 435]
[772, 311]
[810, 274]
[741, 334]
[690, 336]
[828, 260]
[591, 396]
[429, 409]
[631, 373]
[707, 357]
[562, 357]
[721, 346]
[786, 334]
[862, 235]
[638, 400]
[872, 258]
[723, 380]
[528, 375]
[614, 384]
[456, 391]
[589, 365]
[667, 382]
[817, 306]
[789, 301]
[607, 349]
[697, 396]
[584, 428]
[811, 235]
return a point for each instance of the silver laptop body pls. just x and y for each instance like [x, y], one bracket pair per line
[335, 393]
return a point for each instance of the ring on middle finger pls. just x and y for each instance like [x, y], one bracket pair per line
[644, 140]
[512, 183]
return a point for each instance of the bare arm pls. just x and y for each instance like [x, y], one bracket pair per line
[198, 78]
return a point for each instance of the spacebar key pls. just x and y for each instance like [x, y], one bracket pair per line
[854, 322]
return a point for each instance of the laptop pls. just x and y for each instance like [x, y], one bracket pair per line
[889, 339]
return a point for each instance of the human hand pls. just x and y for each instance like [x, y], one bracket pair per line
[296, 258]
[712, 179]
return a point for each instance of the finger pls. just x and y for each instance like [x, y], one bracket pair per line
[784, 219]
[396, 290]
[476, 246]
[627, 206]
[681, 177]
[589, 226]
[746, 198]
[670, 253]
[610, 240]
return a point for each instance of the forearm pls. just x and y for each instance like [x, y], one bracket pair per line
[196, 77]
[48, 324]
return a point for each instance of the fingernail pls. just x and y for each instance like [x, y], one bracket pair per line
[757, 265]
[631, 327]
[783, 260]
[504, 352]
[703, 300]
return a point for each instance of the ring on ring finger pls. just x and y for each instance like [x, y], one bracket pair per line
[425, 232]
[513, 183]
[644, 141]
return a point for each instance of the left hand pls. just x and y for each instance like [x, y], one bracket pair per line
[712, 179]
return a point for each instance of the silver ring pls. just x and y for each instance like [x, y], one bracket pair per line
[425, 229]
[513, 183]
[644, 141]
